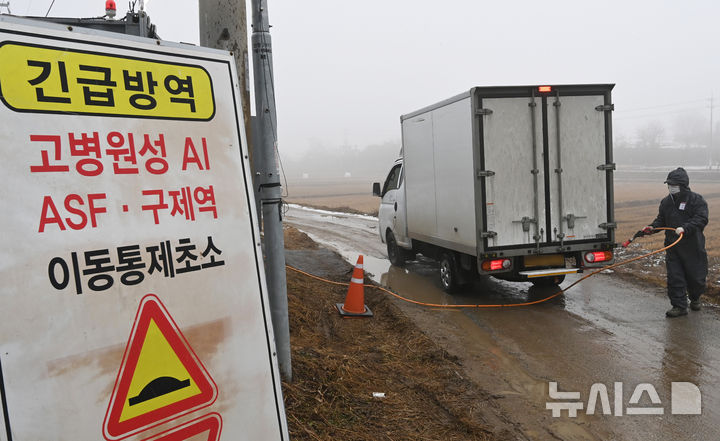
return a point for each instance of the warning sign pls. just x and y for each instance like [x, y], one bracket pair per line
[126, 172]
[41, 79]
[206, 428]
[160, 377]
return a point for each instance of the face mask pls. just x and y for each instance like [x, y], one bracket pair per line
[674, 189]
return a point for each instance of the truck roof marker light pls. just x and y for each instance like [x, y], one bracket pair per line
[544, 89]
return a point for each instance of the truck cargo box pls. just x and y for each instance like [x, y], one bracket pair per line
[511, 171]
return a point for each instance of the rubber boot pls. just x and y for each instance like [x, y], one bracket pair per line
[676, 312]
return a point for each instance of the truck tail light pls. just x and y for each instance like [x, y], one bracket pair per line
[496, 264]
[544, 89]
[598, 256]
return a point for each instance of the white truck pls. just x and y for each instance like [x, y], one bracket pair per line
[514, 182]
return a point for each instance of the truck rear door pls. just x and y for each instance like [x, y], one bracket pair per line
[578, 178]
[544, 169]
[512, 171]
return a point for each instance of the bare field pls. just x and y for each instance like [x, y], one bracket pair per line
[353, 193]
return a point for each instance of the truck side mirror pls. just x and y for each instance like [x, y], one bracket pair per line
[376, 189]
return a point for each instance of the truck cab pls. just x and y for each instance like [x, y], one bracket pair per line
[392, 215]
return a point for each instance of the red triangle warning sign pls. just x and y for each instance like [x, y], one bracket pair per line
[160, 377]
[205, 428]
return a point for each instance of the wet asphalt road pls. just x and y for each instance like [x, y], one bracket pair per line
[603, 331]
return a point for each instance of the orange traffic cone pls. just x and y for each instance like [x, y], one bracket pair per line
[354, 305]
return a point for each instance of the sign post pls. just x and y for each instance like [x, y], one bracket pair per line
[133, 303]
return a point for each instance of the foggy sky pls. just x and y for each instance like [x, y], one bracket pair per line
[345, 70]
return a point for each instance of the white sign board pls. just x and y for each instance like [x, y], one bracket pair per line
[132, 300]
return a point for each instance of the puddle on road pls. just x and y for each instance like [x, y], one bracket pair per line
[375, 267]
[419, 280]
[415, 286]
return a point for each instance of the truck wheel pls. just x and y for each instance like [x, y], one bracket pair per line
[548, 281]
[396, 255]
[449, 273]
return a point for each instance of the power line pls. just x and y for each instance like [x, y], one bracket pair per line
[662, 105]
[51, 5]
[667, 112]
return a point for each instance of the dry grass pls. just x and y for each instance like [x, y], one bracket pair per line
[297, 240]
[338, 363]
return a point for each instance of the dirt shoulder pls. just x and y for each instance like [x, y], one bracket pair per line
[338, 364]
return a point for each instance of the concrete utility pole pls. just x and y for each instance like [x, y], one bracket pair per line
[267, 179]
[223, 25]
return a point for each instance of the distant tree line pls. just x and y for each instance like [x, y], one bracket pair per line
[685, 143]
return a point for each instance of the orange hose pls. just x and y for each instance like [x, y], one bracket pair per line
[535, 302]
